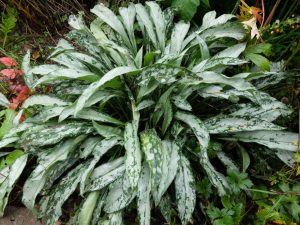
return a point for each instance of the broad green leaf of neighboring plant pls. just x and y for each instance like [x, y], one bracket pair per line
[186, 8]
[10, 158]
[7, 123]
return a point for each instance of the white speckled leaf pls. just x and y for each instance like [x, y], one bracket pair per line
[133, 156]
[152, 148]
[143, 196]
[201, 132]
[185, 192]
[119, 196]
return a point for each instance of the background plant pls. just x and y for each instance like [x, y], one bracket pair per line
[145, 107]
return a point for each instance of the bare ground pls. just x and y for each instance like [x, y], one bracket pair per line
[18, 216]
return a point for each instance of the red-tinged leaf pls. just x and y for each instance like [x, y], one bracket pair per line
[8, 61]
[13, 105]
[9, 73]
[22, 118]
[19, 72]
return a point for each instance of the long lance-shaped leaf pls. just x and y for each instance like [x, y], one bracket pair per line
[6, 141]
[158, 19]
[61, 193]
[108, 131]
[106, 174]
[47, 162]
[269, 111]
[179, 32]
[120, 195]
[283, 140]
[9, 177]
[28, 77]
[147, 23]
[99, 207]
[143, 196]
[169, 166]
[210, 20]
[214, 78]
[106, 15]
[185, 191]
[68, 74]
[49, 135]
[44, 100]
[230, 124]
[128, 16]
[166, 208]
[232, 51]
[201, 133]
[89, 114]
[152, 147]
[86, 212]
[99, 150]
[96, 85]
[133, 155]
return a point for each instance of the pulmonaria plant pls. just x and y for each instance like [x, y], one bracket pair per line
[129, 115]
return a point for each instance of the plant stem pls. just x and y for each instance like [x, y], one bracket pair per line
[4, 40]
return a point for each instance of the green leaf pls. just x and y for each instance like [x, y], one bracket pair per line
[89, 114]
[145, 20]
[202, 135]
[170, 159]
[152, 148]
[96, 85]
[61, 193]
[44, 100]
[108, 131]
[133, 156]
[9, 176]
[186, 8]
[112, 20]
[10, 158]
[47, 162]
[283, 140]
[119, 196]
[7, 123]
[158, 19]
[229, 124]
[86, 211]
[185, 191]
[106, 174]
[128, 16]
[143, 196]
[99, 150]
[68, 74]
[49, 135]
[178, 34]
[28, 76]
[259, 60]
[245, 157]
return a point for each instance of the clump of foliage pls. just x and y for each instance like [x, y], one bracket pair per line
[140, 115]
[9, 19]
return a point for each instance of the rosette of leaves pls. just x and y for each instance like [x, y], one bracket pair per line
[127, 120]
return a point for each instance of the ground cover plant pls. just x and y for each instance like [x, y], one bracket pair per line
[140, 112]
